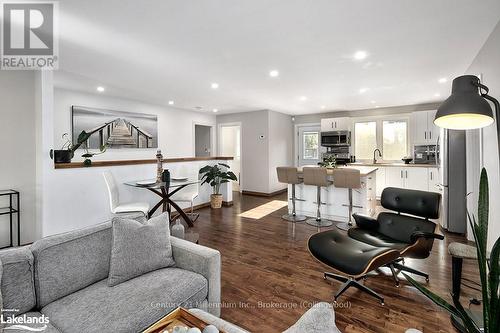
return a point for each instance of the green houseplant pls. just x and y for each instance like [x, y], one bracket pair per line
[489, 271]
[328, 162]
[67, 151]
[215, 175]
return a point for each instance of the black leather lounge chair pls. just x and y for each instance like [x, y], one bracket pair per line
[413, 236]
[352, 258]
[380, 242]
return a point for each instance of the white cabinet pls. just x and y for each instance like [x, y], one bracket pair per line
[413, 178]
[394, 177]
[423, 129]
[416, 178]
[336, 124]
[434, 180]
[380, 181]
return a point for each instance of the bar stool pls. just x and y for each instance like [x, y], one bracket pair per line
[317, 177]
[350, 179]
[289, 175]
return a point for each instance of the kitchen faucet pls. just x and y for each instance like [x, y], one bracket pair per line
[374, 157]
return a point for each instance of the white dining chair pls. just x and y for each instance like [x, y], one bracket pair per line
[114, 199]
[187, 194]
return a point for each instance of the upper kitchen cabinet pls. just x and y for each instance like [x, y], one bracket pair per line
[424, 132]
[336, 124]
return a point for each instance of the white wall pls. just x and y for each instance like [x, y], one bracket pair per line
[75, 198]
[255, 148]
[17, 137]
[280, 147]
[487, 63]
[175, 127]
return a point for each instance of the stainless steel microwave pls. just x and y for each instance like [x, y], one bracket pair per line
[335, 138]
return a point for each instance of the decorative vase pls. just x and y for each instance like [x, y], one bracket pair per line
[165, 177]
[216, 200]
[178, 229]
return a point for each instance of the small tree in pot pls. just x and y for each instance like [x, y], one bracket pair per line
[215, 175]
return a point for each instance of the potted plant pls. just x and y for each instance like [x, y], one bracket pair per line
[215, 175]
[65, 154]
[67, 151]
[489, 272]
[329, 162]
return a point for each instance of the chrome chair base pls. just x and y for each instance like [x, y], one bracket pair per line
[294, 218]
[344, 226]
[319, 222]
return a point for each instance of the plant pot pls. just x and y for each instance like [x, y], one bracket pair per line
[216, 200]
[61, 156]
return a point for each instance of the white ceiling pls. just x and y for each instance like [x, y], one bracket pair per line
[161, 50]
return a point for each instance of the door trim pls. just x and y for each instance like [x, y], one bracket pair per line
[219, 145]
[296, 133]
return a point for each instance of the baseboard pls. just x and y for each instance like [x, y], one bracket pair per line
[201, 206]
[263, 194]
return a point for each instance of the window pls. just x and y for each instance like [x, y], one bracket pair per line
[389, 134]
[311, 147]
[365, 139]
[394, 140]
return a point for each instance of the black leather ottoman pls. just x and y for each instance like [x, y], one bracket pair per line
[354, 259]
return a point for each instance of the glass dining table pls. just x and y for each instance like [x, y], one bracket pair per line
[166, 191]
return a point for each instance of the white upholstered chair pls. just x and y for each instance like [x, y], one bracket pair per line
[114, 199]
[187, 194]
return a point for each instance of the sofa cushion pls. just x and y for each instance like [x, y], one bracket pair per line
[130, 306]
[17, 287]
[71, 261]
[139, 248]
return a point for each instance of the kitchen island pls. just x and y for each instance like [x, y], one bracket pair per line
[336, 199]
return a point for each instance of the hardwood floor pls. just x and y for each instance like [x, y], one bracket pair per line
[269, 279]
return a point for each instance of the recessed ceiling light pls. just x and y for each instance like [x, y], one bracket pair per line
[437, 95]
[363, 90]
[100, 89]
[360, 55]
[170, 102]
[323, 107]
[443, 80]
[214, 85]
[373, 102]
[215, 110]
[303, 98]
[274, 73]
[377, 106]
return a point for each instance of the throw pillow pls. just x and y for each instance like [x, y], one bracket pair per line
[139, 248]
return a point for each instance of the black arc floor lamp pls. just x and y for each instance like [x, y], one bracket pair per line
[468, 108]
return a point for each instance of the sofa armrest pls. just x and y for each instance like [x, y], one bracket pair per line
[204, 261]
[318, 319]
[365, 222]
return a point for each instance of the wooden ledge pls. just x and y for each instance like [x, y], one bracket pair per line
[75, 165]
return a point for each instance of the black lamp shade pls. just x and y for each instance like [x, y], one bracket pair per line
[465, 108]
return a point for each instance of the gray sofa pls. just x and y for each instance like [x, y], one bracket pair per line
[63, 277]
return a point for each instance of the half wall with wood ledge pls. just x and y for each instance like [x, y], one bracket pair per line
[77, 195]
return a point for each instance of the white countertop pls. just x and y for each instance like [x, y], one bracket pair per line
[364, 170]
[394, 164]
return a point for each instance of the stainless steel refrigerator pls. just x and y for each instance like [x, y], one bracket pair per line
[451, 160]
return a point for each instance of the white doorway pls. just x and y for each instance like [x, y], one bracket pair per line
[307, 144]
[230, 145]
[202, 140]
